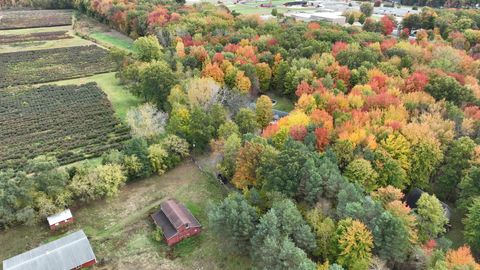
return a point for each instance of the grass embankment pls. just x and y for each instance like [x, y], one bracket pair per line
[121, 99]
[121, 231]
[111, 39]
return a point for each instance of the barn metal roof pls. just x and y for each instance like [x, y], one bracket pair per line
[63, 254]
[162, 221]
[64, 215]
[178, 214]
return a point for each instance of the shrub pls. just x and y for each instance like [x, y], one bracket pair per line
[148, 48]
[158, 157]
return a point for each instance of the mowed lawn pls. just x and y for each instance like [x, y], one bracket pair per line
[113, 39]
[121, 230]
[121, 99]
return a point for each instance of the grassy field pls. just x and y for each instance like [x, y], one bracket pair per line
[456, 233]
[121, 99]
[120, 229]
[100, 33]
[283, 103]
[110, 39]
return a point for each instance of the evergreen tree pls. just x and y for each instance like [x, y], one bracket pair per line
[472, 225]
[469, 187]
[235, 219]
[391, 238]
[456, 162]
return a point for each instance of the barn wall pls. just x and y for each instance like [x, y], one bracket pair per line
[87, 264]
[61, 223]
[182, 234]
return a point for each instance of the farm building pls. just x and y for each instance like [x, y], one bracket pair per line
[70, 252]
[176, 221]
[60, 219]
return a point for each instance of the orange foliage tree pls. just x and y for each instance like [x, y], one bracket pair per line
[248, 159]
[461, 258]
[213, 71]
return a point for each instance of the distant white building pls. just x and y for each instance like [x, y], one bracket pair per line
[318, 4]
[333, 17]
[267, 17]
[300, 16]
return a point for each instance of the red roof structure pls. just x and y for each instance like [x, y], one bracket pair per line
[176, 221]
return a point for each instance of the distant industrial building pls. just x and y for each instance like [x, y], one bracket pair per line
[70, 252]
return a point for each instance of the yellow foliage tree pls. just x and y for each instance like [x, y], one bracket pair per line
[399, 148]
[264, 111]
[295, 118]
[355, 244]
[242, 82]
[180, 48]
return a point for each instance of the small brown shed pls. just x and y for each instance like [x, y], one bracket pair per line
[176, 221]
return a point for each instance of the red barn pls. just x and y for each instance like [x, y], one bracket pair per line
[60, 219]
[176, 221]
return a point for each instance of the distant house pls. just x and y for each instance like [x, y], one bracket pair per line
[70, 252]
[60, 219]
[176, 221]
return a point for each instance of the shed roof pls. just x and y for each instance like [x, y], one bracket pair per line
[178, 214]
[162, 221]
[65, 253]
[64, 215]
[412, 197]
